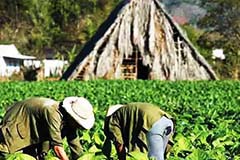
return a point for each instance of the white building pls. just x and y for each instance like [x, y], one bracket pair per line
[218, 54]
[51, 67]
[11, 60]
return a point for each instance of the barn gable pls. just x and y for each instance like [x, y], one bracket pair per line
[139, 40]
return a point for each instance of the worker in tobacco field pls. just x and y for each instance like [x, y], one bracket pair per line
[137, 126]
[38, 124]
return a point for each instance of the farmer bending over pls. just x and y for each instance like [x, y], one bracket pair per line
[137, 127]
[35, 124]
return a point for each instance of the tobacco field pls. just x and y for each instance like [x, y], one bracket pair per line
[207, 113]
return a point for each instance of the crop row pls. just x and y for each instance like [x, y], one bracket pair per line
[207, 113]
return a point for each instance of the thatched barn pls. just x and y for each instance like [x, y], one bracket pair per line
[139, 40]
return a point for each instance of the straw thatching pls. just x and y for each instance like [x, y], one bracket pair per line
[139, 40]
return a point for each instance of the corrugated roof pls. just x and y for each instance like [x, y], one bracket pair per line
[10, 51]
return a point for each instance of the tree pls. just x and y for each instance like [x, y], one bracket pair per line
[35, 26]
[223, 31]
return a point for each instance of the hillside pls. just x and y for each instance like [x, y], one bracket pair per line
[185, 11]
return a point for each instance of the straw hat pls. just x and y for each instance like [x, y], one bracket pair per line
[81, 110]
[113, 109]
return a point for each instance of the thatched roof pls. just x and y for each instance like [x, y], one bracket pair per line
[143, 31]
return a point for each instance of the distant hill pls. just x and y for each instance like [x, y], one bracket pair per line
[185, 11]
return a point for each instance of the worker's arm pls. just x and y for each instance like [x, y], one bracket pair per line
[74, 143]
[53, 119]
[112, 130]
[120, 151]
[61, 154]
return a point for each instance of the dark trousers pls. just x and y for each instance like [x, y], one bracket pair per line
[2, 141]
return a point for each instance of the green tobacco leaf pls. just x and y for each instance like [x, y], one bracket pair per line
[237, 157]
[197, 155]
[222, 141]
[182, 144]
[51, 158]
[200, 138]
[87, 156]
[217, 153]
[20, 156]
[97, 139]
[136, 155]
[94, 149]
[86, 137]
[203, 137]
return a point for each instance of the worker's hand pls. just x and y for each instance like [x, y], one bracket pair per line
[120, 150]
[61, 154]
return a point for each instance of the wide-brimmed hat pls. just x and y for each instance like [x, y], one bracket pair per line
[113, 109]
[81, 110]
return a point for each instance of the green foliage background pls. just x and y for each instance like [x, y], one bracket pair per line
[207, 112]
[37, 26]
